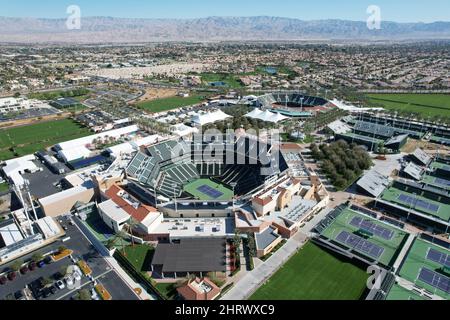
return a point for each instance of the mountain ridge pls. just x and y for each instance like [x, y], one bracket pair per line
[258, 28]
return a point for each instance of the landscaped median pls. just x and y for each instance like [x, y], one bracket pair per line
[61, 254]
[84, 267]
[104, 294]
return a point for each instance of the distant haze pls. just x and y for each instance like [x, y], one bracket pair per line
[115, 30]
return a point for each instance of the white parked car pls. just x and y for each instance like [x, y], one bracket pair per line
[69, 281]
[60, 284]
[94, 295]
[76, 276]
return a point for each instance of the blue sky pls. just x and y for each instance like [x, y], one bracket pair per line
[392, 10]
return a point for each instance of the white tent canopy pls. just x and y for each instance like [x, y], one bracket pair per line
[210, 117]
[266, 116]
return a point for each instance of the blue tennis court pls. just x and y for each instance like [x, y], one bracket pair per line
[418, 203]
[209, 191]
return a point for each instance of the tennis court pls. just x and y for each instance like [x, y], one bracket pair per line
[418, 203]
[437, 182]
[205, 189]
[425, 265]
[365, 235]
[399, 293]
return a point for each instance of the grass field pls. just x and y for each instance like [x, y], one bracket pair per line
[31, 138]
[399, 293]
[314, 274]
[140, 256]
[392, 195]
[425, 104]
[191, 188]
[166, 104]
[231, 81]
[391, 247]
[416, 259]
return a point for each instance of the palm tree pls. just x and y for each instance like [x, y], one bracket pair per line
[132, 223]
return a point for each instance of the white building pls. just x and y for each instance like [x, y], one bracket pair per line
[113, 215]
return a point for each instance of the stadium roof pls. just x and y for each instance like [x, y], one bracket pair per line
[210, 117]
[266, 238]
[421, 156]
[413, 171]
[374, 183]
[396, 139]
[339, 127]
[191, 255]
[266, 116]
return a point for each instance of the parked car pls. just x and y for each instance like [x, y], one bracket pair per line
[76, 276]
[53, 289]
[24, 270]
[12, 275]
[60, 284]
[40, 264]
[94, 295]
[3, 280]
[48, 260]
[19, 295]
[69, 281]
[32, 266]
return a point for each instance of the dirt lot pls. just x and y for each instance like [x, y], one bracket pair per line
[425, 145]
[156, 93]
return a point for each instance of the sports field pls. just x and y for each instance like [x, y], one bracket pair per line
[418, 203]
[314, 274]
[205, 189]
[31, 138]
[425, 104]
[399, 293]
[391, 246]
[417, 259]
[171, 103]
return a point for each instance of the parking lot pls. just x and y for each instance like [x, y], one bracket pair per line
[82, 249]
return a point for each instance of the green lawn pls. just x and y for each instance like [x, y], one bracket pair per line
[314, 274]
[4, 187]
[230, 80]
[425, 104]
[191, 188]
[139, 256]
[167, 290]
[171, 103]
[31, 138]
[79, 94]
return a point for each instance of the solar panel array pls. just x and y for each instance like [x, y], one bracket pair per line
[360, 244]
[435, 279]
[372, 227]
[439, 257]
[418, 203]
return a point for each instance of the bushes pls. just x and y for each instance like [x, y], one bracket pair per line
[342, 163]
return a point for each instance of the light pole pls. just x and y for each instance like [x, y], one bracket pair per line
[233, 185]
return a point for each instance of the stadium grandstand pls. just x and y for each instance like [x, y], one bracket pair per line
[203, 171]
[293, 104]
[358, 233]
